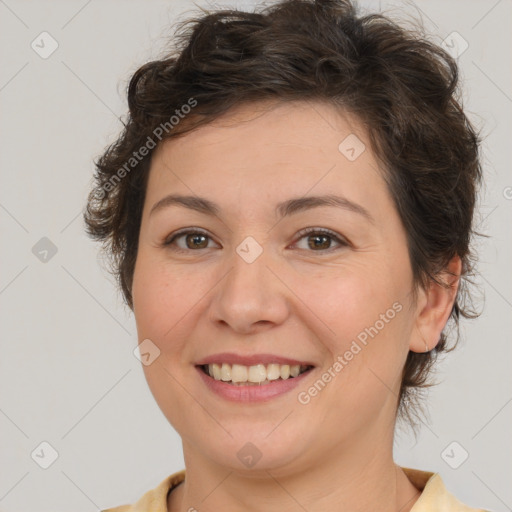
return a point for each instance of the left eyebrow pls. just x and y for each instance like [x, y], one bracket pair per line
[299, 204]
[283, 209]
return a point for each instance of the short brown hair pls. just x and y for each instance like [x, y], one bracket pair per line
[402, 87]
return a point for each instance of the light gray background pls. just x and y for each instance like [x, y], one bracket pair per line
[68, 375]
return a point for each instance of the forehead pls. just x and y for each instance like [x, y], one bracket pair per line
[263, 150]
[305, 124]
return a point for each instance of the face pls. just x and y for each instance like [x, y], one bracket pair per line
[268, 276]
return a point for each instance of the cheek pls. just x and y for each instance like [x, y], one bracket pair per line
[168, 303]
[367, 346]
[161, 303]
[354, 303]
[160, 296]
[158, 301]
[366, 320]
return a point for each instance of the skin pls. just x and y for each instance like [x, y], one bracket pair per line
[295, 300]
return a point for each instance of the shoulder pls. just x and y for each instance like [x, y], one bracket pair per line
[434, 494]
[154, 500]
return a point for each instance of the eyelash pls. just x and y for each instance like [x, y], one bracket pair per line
[301, 234]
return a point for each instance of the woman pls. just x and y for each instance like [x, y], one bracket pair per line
[289, 212]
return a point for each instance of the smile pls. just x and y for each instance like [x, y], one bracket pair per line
[259, 374]
[272, 380]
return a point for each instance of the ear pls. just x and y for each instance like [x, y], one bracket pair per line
[434, 306]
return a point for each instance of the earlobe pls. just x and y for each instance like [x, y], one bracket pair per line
[434, 307]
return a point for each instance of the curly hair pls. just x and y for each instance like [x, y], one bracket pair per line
[402, 87]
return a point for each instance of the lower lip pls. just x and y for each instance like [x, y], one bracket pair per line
[252, 393]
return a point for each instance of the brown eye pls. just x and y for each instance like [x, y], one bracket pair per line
[188, 240]
[196, 241]
[321, 240]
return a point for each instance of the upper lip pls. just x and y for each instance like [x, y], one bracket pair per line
[250, 360]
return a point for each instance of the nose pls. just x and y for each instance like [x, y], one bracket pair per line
[251, 297]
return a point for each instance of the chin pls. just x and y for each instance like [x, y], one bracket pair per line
[256, 448]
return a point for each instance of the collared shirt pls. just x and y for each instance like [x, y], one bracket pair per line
[434, 495]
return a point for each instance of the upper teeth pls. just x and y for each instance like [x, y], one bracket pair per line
[257, 373]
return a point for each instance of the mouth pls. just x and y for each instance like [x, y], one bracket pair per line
[254, 375]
